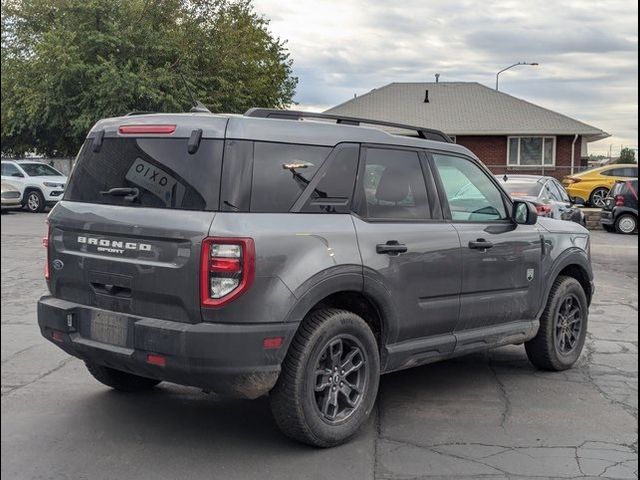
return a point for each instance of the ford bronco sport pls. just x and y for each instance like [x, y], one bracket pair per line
[251, 255]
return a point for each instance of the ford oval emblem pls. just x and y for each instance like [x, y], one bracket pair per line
[57, 264]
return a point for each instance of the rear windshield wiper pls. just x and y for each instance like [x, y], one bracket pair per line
[129, 194]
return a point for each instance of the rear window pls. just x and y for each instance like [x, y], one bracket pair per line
[521, 189]
[162, 172]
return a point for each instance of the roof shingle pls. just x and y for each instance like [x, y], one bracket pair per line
[462, 108]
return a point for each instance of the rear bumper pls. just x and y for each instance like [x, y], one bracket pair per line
[226, 359]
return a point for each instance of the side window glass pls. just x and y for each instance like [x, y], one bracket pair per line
[472, 196]
[393, 186]
[9, 169]
[332, 194]
[630, 172]
[281, 172]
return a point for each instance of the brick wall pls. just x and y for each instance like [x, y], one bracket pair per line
[492, 150]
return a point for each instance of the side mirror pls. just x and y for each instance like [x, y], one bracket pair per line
[578, 201]
[524, 213]
[17, 174]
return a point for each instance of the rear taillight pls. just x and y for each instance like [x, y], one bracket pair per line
[227, 268]
[543, 210]
[619, 201]
[45, 244]
[571, 180]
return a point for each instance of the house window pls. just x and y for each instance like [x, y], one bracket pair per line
[531, 151]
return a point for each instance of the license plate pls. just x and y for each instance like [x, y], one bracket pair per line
[111, 329]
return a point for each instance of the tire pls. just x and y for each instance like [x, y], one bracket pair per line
[545, 350]
[608, 228]
[598, 196]
[626, 224]
[34, 201]
[121, 381]
[302, 408]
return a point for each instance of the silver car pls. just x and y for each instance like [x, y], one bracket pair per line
[11, 196]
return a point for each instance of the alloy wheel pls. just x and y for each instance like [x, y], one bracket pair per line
[599, 198]
[627, 224]
[340, 379]
[33, 202]
[568, 325]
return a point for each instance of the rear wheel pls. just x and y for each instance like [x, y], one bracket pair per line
[34, 201]
[598, 197]
[122, 381]
[626, 224]
[563, 327]
[329, 379]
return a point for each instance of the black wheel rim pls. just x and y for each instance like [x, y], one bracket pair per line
[568, 325]
[340, 379]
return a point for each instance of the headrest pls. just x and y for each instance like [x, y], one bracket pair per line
[394, 185]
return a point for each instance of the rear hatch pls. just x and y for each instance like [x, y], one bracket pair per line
[142, 196]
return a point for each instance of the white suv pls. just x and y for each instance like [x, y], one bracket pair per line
[39, 183]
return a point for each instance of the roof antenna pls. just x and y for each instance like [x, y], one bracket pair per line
[198, 106]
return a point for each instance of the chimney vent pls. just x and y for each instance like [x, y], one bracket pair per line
[437, 78]
[426, 96]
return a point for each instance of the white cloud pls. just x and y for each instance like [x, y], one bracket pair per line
[588, 52]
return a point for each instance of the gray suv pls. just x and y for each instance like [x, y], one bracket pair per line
[301, 256]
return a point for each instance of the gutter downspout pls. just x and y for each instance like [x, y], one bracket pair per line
[573, 154]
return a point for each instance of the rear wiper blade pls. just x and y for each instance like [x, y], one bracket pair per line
[129, 194]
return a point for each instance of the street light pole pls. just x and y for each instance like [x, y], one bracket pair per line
[532, 64]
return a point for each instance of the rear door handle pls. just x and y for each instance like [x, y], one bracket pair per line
[392, 247]
[480, 244]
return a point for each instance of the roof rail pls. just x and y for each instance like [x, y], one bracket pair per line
[426, 133]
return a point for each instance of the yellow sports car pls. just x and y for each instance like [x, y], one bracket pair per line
[593, 185]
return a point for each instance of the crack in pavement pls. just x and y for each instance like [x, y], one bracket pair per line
[62, 364]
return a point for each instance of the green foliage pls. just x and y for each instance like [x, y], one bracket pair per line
[68, 63]
[627, 155]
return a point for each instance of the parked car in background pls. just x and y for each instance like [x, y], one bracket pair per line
[40, 184]
[620, 212]
[11, 196]
[594, 185]
[546, 193]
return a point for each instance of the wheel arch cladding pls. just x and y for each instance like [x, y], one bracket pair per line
[578, 272]
[342, 289]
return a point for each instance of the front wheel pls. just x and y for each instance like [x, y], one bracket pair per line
[34, 202]
[329, 379]
[626, 224]
[563, 327]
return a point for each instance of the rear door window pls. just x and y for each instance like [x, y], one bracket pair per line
[393, 186]
[162, 172]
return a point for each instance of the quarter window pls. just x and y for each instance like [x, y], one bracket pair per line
[281, 172]
[531, 151]
[393, 186]
[472, 196]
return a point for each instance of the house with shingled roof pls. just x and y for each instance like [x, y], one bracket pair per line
[508, 134]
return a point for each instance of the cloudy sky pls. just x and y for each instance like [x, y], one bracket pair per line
[587, 50]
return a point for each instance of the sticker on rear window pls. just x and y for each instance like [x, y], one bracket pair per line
[156, 181]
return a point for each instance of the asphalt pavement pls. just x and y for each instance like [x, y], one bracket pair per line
[485, 416]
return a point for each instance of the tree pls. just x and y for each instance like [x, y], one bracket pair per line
[627, 155]
[68, 63]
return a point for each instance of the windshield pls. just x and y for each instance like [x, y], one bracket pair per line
[521, 189]
[40, 170]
